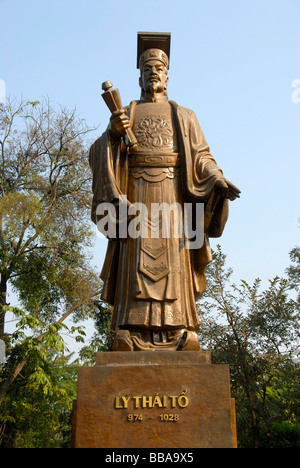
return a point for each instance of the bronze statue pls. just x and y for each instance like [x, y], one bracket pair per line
[153, 282]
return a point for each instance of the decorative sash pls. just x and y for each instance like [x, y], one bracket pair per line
[154, 159]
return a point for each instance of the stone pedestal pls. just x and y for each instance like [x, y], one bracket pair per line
[161, 399]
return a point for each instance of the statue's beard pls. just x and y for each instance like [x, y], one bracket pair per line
[154, 87]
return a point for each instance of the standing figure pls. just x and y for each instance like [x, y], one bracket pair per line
[153, 281]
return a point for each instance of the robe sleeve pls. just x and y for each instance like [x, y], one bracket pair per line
[201, 174]
[205, 174]
[110, 173]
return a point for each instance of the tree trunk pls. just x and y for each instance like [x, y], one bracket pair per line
[9, 436]
[3, 292]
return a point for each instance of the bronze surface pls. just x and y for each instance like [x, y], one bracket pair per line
[162, 399]
[152, 152]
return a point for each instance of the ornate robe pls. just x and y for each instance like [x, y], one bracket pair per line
[153, 283]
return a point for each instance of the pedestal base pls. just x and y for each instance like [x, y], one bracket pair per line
[161, 399]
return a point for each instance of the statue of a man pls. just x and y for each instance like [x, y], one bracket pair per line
[153, 282]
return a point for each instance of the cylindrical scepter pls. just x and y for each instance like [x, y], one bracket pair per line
[113, 101]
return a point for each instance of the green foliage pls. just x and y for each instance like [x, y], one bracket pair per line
[38, 408]
[294, 270]
[45, 234]
[102, 338]
[282, 435]
[257, 333]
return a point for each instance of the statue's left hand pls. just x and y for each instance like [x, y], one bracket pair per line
[227, 189]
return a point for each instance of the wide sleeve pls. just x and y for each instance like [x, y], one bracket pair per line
[205, 174]
[109, 168]
[204, 167]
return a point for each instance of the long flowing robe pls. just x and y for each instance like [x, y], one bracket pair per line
[151, 291]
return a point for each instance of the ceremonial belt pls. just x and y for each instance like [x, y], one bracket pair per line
[154, 159]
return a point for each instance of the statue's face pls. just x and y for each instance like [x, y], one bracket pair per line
[154, 77]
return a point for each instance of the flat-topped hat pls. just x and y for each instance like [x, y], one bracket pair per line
[153, 45]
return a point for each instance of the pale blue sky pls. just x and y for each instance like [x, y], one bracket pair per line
[232, 62]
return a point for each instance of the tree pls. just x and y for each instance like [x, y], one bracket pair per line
[256, 333]
[45, 232]
[38, 412]
[102, 338]
[293, 271]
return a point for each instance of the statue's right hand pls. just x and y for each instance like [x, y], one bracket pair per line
[119, 122]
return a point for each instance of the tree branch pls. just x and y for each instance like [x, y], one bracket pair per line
[23, 361]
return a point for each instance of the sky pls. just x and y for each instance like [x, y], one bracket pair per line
[236, 64]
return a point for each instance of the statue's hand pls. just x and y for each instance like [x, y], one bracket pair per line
[119, 122]
[227, 189]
